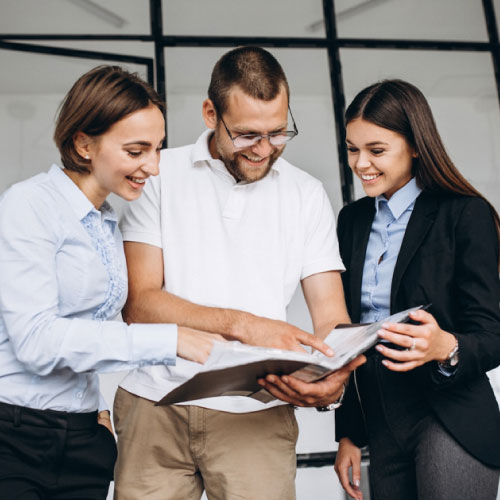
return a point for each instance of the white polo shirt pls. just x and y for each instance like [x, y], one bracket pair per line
[228, 244]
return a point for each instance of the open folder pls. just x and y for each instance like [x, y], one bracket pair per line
[233, 369]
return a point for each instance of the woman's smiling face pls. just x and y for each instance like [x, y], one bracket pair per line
[122, 158]
[381, 158]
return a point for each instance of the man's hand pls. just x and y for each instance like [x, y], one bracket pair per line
[255, 330]
[148, 302]
[349, 457]
[321, 393]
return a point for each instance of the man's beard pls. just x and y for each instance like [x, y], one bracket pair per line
[241, 171]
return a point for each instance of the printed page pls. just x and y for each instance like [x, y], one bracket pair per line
[234, 368]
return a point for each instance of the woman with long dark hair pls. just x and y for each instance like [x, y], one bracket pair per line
[423, 235]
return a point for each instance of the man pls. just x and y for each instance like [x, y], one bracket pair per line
[218, 242]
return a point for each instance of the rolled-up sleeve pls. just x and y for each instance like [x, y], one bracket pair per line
[321, 251]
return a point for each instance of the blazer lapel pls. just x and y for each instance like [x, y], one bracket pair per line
[361, 235]
[420, 222]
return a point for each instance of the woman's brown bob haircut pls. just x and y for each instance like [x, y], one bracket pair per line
[97, 100]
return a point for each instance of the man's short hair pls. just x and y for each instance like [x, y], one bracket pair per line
[255, 70]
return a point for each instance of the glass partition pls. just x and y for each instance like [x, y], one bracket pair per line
[276, 18]
[461, 20]
[461, 89]
[30, 93]
[105, 17]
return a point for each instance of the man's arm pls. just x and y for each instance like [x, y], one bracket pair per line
[325, 300]
[324, 296]
[148, 303]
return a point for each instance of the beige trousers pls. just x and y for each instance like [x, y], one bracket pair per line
[176, 452]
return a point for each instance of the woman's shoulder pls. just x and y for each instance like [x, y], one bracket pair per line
[32, 198]
[358, 207]
[457, 203]
[26, 189]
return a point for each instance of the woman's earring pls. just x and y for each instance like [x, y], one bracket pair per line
[87, 157]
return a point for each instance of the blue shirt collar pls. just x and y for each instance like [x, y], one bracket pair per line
[401, 200]
[77, 199]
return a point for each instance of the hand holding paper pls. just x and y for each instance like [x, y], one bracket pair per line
[234, 369]
[321, 393]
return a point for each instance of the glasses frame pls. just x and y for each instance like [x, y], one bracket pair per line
[295, 132]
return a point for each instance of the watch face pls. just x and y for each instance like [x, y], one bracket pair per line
[454, 359]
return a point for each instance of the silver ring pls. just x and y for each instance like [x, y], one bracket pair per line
[413, 344]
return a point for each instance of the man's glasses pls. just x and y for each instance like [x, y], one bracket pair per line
[274, 138]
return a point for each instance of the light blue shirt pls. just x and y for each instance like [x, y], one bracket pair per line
[386, 236]
[62, 275]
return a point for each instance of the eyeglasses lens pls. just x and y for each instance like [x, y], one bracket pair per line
[245, 141]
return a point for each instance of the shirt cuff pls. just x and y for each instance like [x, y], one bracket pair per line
[322, 266]
[154, 344]
[141, 237]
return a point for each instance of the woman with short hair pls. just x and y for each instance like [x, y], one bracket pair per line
[63, 281]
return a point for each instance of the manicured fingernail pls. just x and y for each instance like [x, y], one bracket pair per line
[285, 379]
[385, 325]
[385, 362]
[356, 483]
[381, 333]
[379, 348]
[329, 352]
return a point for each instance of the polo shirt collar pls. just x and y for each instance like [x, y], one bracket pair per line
[401, 200]
[75, 197]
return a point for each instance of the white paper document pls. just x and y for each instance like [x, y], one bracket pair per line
[234, 368]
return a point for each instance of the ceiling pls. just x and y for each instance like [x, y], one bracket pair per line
[442, 73]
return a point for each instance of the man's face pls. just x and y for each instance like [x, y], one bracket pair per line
[246, 115]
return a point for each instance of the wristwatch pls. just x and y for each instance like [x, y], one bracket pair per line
[335, 404]
[452, 358]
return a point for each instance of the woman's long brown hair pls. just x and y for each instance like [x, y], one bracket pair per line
[401, 107]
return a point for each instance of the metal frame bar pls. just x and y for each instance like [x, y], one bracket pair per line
[107, 38]
[338, 98]
[81, 54]
[325, 459]
[290, 42]
[155, 7]
[156, 23]
[491, 26]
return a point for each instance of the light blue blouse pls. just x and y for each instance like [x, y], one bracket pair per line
[386, 236]
[62, 276]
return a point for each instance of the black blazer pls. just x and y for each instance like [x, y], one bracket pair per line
[449, 258]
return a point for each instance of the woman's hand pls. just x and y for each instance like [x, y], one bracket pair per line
[195, 345]
[349, 457]
[424, 342]
[104, 418]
